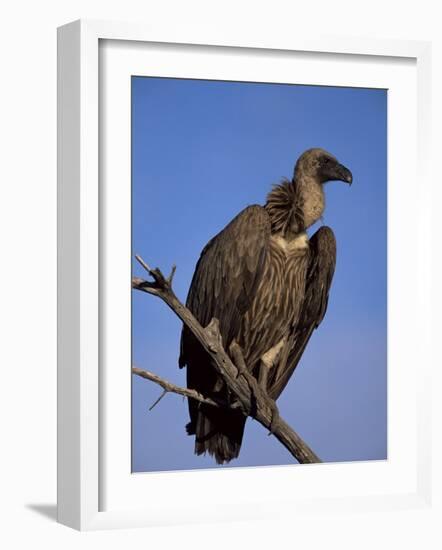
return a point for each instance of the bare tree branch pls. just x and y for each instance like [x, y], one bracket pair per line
[168, 387]
[155, 403]
[251, 399]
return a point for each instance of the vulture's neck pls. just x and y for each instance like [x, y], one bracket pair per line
[295, 205]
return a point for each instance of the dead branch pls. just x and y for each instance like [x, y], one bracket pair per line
[251, 399]
[168, 387]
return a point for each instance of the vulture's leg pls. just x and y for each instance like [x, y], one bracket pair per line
[268, 362]
[262, 382]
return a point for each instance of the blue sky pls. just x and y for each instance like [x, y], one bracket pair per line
[201, 152]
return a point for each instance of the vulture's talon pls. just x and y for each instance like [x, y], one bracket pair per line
[242, 371]
[274, 415]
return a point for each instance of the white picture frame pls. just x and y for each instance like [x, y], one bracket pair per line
[82, 442]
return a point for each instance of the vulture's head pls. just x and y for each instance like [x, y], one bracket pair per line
[322, 166]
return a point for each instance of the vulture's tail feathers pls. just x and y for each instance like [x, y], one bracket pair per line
[218, 432]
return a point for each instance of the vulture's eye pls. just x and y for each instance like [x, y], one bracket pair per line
[325, 161]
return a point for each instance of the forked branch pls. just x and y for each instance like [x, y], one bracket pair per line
[168, 387]
[250, 398]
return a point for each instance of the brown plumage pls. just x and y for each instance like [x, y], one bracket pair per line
[268, 286]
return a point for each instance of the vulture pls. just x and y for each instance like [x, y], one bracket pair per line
[268, 284]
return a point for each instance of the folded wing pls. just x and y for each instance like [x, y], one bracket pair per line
[319, 278]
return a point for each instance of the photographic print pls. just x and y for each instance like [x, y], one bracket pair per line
[259, 250]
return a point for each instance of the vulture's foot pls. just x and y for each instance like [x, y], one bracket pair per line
[255, 391]
[264, 401]
[275, 414]
[268, 361]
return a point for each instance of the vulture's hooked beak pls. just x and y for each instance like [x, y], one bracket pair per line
[343, 174]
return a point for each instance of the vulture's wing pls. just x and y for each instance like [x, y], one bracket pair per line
[227, 275]
[319, 278]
